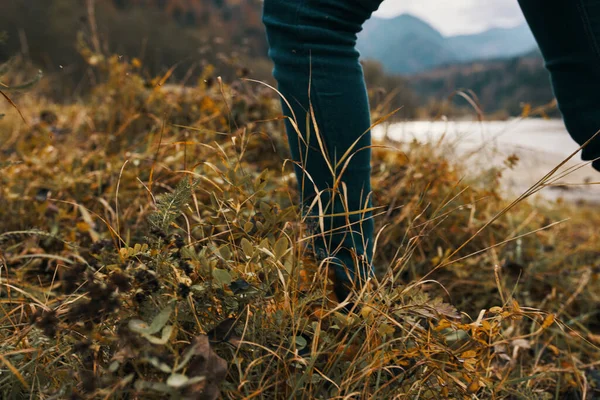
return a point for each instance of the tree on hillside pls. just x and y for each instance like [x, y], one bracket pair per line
[162, 33]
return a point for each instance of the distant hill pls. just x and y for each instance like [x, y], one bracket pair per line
[407, 44]
[493, 43]
[499, 84]
[404, 44]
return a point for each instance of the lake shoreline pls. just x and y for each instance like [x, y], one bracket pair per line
[540, 146]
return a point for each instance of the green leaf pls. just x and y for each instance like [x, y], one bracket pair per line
[199, 288]
[222, 276]
[301, 342]
[125, 381]
[157, 323]
[195, 379]
[177, 380]
[169, 205]
[225, 252]
[264, 243]
[281, 247]
[188, 253]
[265, 209]
[288, 266]
[160, 320]
[186, 359]
[456, 335]
[138, 326]
[114, 366]
[247, 247]
[260, 182]
[156, 386]
[166, 334]
[158, 364]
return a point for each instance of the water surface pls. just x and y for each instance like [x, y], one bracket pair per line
[541, 145]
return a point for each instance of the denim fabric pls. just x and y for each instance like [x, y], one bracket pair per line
[312, 43]
[568, 34]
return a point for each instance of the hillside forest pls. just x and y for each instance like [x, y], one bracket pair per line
[200, 39]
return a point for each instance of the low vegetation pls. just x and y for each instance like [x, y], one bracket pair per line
[151, 247]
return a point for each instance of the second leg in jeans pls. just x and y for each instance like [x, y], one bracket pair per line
[568, 34]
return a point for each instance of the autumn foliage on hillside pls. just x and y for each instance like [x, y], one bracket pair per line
[187, 35]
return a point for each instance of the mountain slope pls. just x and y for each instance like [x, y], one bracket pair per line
[407, 45]
[499, 84]
[404, 44]
[497, 42]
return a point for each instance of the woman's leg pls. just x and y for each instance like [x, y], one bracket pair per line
[312, 44]
[568, 34]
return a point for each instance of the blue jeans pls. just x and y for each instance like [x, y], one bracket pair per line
[312, 44]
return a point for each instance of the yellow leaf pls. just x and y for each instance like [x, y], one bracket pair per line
[124, 253]
[443, 324]
[470, 364]
[83, 227]
[473, 386]
[385, 329]
[555, 349]
[87, 218]
[515, 306]
[366, 311]
[548, 321]
[469, 354]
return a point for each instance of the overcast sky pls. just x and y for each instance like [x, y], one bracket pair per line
[454, 17]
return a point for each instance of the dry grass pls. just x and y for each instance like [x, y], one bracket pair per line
[150, 247]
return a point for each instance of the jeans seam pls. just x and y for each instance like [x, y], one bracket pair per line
[308, 51]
